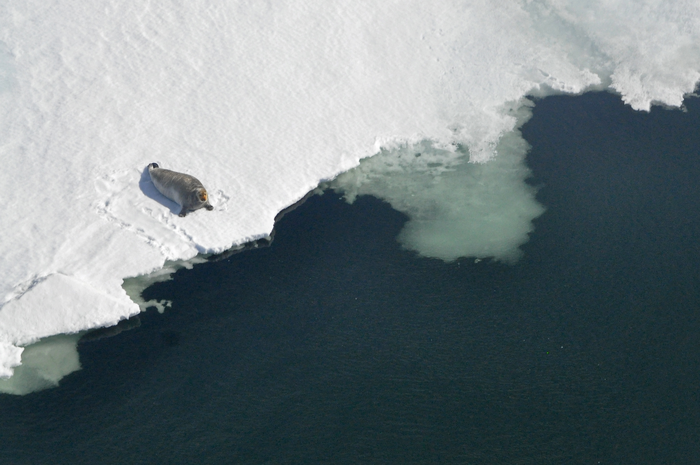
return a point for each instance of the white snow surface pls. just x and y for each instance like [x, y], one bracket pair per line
[261, 101]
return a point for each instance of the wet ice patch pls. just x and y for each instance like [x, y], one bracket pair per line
[44, 364]
[456, 208]
[135, 286]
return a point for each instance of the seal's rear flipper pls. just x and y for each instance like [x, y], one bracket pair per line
[153, 166]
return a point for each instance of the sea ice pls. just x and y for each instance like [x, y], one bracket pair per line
[261, 102]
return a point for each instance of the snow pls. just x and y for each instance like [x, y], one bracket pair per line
[263, 101]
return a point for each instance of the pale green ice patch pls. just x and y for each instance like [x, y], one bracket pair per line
[456, 208]
[44, 364]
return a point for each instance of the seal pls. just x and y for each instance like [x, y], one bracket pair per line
[183, 189]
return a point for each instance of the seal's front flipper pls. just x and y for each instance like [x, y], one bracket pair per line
[183, 213]
[209, 207]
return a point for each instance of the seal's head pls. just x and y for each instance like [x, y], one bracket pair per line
[204, 198]
[202, 194]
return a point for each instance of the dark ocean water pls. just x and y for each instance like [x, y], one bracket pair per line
[334, 345]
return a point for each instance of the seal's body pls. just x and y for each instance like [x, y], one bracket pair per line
[181, 188]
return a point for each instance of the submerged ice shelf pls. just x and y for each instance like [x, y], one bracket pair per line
[262, 103]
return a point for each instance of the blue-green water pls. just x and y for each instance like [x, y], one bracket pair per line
[334, 345]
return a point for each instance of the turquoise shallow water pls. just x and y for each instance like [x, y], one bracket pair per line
[334, 345]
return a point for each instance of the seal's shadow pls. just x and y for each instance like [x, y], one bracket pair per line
[149, 190]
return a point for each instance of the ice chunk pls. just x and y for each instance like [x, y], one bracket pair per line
[10, 356]
[56, 304]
